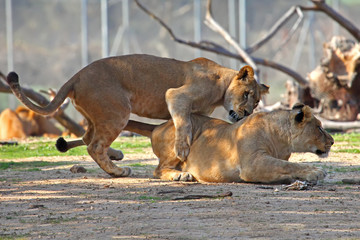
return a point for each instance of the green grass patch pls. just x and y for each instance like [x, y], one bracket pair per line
[340, 169]
[138, 165]
[58, 220]
[347, 169]
[15, 237]
[352, 138]
[153, 199]
[48, 149]
[24, 150]
[31, 166]
[347, 150]
[350, 143]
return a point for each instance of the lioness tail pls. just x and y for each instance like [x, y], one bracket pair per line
[143, 129]
[13, 81]
[137, 127]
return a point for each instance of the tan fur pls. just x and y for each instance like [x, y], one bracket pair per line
[108, 90]
[255, 149]
[23, 123]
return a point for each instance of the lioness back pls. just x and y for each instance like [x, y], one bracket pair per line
[145, 80]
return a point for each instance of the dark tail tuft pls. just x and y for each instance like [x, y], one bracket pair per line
[61, 145]
[12, 78]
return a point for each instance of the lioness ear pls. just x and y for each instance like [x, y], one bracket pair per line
[304, 114]
[299, 117]
[264, 89]
[245, 72]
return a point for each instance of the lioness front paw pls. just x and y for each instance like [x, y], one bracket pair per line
[183, 176]
[314, 174]
[182, 150]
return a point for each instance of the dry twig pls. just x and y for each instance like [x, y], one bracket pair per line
[351, 181]
[200, 196]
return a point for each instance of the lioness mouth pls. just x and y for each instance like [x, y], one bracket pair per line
[234, 116]
[319, 152]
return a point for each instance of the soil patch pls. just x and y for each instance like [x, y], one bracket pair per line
[53, 202]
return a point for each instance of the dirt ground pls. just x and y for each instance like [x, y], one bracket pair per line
[55, 203]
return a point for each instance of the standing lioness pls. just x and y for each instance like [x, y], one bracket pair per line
[108, 90]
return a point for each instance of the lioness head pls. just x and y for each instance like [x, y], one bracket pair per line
[243, 94]
[307, 134]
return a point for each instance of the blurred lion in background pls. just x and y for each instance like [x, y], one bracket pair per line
[23, 123]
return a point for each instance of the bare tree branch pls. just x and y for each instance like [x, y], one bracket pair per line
[343, 126]
[345, 23]
[60, 116]
[297, 77]
[321, 6]
[215, 48]
[211, 23]
[276, 27]
[190, 43]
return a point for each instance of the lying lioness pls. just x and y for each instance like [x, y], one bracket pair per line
[23, 123]
[256, 149]
[108, 90]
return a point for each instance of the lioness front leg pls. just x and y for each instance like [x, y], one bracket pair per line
[272, 170]
[179, 105]
[183, 138]
[173, 175]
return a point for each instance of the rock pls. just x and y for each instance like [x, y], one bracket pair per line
[78, 169]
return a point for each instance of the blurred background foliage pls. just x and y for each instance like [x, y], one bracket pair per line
[47, 36]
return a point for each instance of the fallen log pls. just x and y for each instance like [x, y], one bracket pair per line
[351, 181]
[342, 126]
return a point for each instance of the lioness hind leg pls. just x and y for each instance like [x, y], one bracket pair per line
[112, 153]
[98, 148]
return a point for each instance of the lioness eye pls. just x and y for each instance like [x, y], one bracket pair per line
[320, 129]
[246, 94]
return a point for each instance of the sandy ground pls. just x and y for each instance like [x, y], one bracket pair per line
[56, 204]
